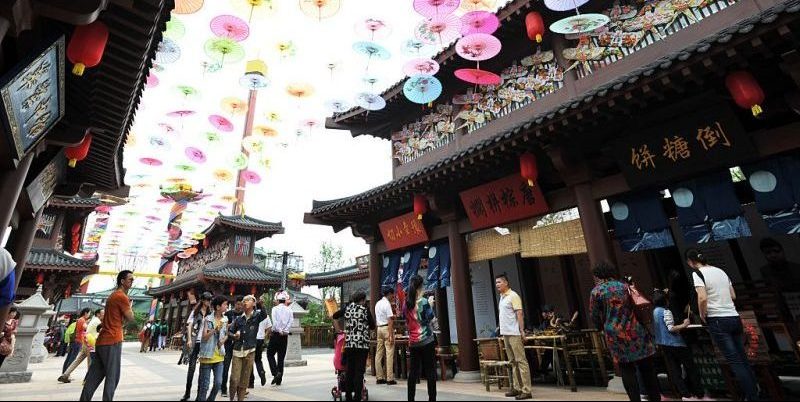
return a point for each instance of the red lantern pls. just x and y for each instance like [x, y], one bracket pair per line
[79, 152]
[87, 45]
[68, 291]
[745, 91]
[420, 205]
[232, 289]
[535, 26]
[76, 238]
[527, 168]
[40, 278]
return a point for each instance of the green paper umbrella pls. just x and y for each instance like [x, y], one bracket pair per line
[185, 168]
[213, 137]
[187, 91]
[239, 162]
[224, 50]
[175, 29]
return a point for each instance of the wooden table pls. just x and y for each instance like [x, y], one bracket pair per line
[400, 354]
[586, 342]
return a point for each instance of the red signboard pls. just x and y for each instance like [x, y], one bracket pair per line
[403, 231]
[502, 201]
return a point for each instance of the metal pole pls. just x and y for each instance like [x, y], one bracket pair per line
[284, 270]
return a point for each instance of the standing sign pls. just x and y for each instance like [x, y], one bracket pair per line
[403, 231]
[501, 201]
[32, 98]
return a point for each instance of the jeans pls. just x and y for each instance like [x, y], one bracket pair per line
[649, 378]
[74, 350]
[227, 365]
[205, 378]
[277, 344]
[192, 368]
[674, 358]
[728, 336]
[106, 365]
[354, 375]
[259, 362]
[422, 358]
[153, 343]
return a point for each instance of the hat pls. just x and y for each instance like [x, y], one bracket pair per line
[207, 296]
[281, 296]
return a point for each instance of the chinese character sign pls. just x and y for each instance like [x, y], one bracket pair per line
[506, 200]
[403, 231]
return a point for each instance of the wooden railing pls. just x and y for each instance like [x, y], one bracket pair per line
[318, 337]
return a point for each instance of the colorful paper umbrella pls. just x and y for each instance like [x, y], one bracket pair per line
[152, 218]
[337, 105]
[187, 6]
[183, 256]
[152, 81]
[417, 48]
[254, 8]
[435, 8]
[199, 236]
[220, 207]
[478, 77]
[265, 131]
[422, 89]
[239, 162]
[231, 27]
[564, 5]
[181, 113]
[300, 90]
[150, 161]
[213, 137]
[286, 49]
[421, 67]
[185, 168]
[191, 251]
[373, 28]
[209, 67]
[479, 22]
[578, 24]
[228, 198]
[223, 175]
[477, 5]
[175, 29]
[478, 47]
[195, 155]
[251, 177]
[234, 106]
[320, 9]
[159, 143]
[439, 30]
[253, 145]
[370, 101]
[371, 50]
[220, 123]
[187, 91]
[273, 116]
[168, 129]
[224, 50]
[168, 52]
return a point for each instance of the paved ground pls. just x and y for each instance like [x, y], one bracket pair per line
[155, 376]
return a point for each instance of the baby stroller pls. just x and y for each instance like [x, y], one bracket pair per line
[338, 391]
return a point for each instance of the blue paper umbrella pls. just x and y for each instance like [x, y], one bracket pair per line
[168, 52]
[372, 50]
[422, 89]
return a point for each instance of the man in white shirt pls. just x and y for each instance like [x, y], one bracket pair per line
[8, 285]
[512, 328]
[384, 319]
[715, 296]
[263, 327]
[282, 318]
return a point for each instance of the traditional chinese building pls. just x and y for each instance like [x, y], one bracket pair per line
[48, 110]
[631, 146]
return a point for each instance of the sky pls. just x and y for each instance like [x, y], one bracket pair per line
[302, 161]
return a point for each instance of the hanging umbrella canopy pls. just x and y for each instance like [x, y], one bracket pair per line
[286, 48]
[231, 27]
[417, 48]
[210, 67]
[223, 175]
[478, 47]
[187, 6]
[422, 89]
[175, 29]
[168, 51]
[160, 143]
[185, 168]
[564, 5]
[168, 129]
[578, 24]
[439, 30]
[435, 8]
[254, 8]
[212, 137]
[181, 113]
[468, 6]
[151, 161]
[239, 161]
[233, 106]
[251, 177]
[220, 123]
[478, 77]
[265, 131]
[421, 67]
[373, 28]
[224, 50]
[187, 91]
[300, 90]
[370, 101]
[253, 144]
[337, 105]
[195, 155]
[152, 81]
[372, 50]
[479, 22]
[273, 116]
[320, 9]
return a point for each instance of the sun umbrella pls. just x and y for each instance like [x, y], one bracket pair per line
[224, 50]
[478, 77]
[478, 47]
[212, 137]
[185, 168]
[537, 58]
[417, 48]
[187, 91]
[320, 9]
[422, 89]
[477, 5]
[187, 6]
[370, 80]
[220, 207]
[435, 8]
[254, 8]
[160, 143]
[479, 22]
[286, 49]
[273, 116]
[152, 218]
[420, 67]
[373, 28]
[220, 123]
[228, 198]
[223, 175]
[564, 5]
[265, 131]
[439, 30]
[239, 161]
[253, 144]
[231, 27]
[209, 67]
[300, 90]
[199, 236]
[168, 52]
[370, 101]
[150, 161]
[152, 81]
[578, 24]
[251, 177]
[337, 105]
[181, 113]
[195, 155]
[168, 129]
[234, 106]
[371, 50]
[175, 29]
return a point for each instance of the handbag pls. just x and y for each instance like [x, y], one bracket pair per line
[5, 347]
[642, 307]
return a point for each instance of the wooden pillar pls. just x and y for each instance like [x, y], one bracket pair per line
[23, 243]
[595, 232]
[465, 313]
[374, 275]
[12, 182]
[443, 314]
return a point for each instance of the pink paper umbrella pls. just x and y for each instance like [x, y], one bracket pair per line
[421, 67]
[251, 177]
[181, 113]
[151, 162]
[152, 81]
[220, 207]
[439, 30]
[373, 28]
[231, 27]
[435, 8]
[478, 47]
[220, 123]
[478, 77]
[152, 218]
[166, 127]
[195, 155]
[479, 22]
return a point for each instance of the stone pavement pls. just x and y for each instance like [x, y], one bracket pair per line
[156, 376]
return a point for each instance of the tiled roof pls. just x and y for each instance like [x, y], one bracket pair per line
[242, 273]
[340, 275]
[75, 202]
[247, 223]
[45, 258]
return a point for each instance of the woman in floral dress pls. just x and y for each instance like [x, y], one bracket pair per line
[630, 344]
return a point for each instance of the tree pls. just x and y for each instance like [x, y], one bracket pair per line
[329, 259]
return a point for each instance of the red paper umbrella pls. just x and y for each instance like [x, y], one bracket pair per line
[195, 155]
[478, 47]
[251, 177]
[479, 22]
[181, 113]
[231, 27]
[435, 8]
[439, 30]
[421, 67]
[152, 81]
[151, 161]
[220, 123]
[478, 77]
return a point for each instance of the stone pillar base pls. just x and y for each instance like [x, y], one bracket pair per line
[36, 359]
[615, 386]
[15, 377]
[295, 363]
[467, 377]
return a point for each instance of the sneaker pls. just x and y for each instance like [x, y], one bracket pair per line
[379, 382]
[63, 379]
[512, 393]
[391, 382]
[224, 393]
[523, 396]
[643, 397]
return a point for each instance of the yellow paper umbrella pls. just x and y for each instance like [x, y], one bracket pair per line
[228, 198]
[265, 131]
[320, 9]
[253, 144]
[286, 49]
[300, 90]
[199, 236]
[254, 8]
[273, 116]
[234, 106]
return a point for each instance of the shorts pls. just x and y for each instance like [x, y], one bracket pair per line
[7, 290]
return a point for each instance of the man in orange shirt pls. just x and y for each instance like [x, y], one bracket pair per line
[108, 349]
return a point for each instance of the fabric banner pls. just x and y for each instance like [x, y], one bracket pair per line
[776, 188]
[709, 210]
[410, 264]
[391, 263]
[438, 266]
[640, 222]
